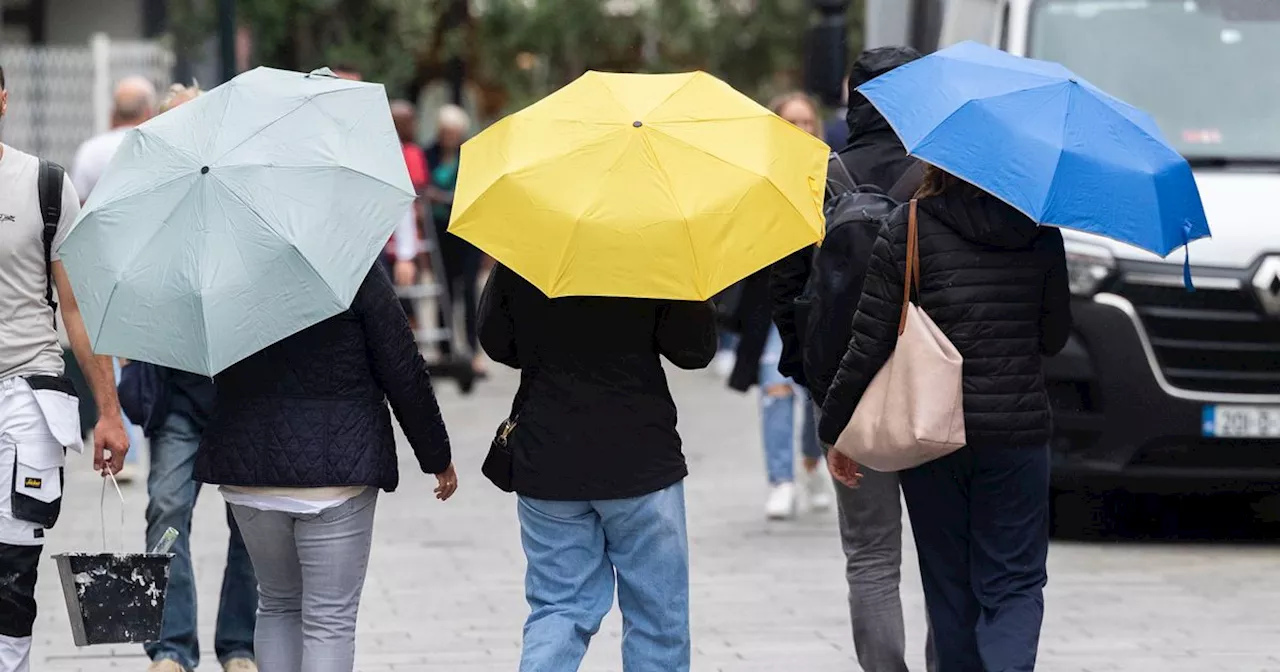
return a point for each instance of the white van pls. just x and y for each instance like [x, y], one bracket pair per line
[1162, 386]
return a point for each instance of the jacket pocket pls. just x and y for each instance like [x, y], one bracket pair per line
[37, 480]
[62, 414]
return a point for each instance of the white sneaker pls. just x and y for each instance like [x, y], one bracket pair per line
[724, 362]
[818, 489]
[782, 502]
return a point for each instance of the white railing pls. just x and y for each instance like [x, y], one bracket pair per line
[61, 96]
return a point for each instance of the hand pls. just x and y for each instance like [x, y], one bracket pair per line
[110, 443]
[446, 484]
[406, 273]
[842, 468]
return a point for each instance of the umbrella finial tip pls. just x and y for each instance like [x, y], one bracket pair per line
[204, 170]
[637, 124]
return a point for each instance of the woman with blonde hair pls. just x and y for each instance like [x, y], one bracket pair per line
[756, 364]
[179, 94]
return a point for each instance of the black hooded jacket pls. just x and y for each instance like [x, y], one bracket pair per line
[996, 284]
[874, 156]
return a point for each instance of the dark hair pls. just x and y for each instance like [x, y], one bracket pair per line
[1, 77]
[937, 182]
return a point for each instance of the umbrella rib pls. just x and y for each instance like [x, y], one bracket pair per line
[106, 309]
[275, 121]
[303, 257]
[348, 169]
[671, 193]
[151, 187]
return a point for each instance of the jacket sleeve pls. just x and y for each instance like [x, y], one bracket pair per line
[495, 326]
[786, 282]
[1055, 309]
[401, 372]
[875, 331]
[686, 333]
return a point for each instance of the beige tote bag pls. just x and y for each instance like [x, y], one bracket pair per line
[913, 410]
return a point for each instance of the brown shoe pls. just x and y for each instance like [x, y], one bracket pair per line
[240, 665]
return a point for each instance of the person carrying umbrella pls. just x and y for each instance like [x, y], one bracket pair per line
[237, 236]
[631, 216]
[1011, 143]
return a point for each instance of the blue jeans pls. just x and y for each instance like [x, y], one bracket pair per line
[981, 522]
[778, 417]
[172, 493]
[135, 432]
[576, 550]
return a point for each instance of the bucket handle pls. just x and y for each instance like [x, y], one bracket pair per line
[102, 509]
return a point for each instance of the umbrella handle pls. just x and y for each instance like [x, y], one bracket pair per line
[102, 509]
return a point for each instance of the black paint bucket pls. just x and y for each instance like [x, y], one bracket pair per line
[114, 598]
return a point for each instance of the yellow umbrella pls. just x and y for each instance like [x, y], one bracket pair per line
[649, 186]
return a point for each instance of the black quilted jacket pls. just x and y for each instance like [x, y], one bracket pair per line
[311, 410]
[996, 285]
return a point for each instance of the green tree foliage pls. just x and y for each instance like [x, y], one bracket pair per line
[521, 50]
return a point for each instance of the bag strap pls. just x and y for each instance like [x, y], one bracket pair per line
[50, 188]
[912, 273]
[848, 183]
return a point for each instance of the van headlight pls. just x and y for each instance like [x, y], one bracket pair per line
[1088, 267]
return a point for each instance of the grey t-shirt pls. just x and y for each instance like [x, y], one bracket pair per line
[28, 341]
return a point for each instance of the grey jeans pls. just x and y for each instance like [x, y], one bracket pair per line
[311, 571]
[871, 534]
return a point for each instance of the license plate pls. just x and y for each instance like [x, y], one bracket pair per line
[1245, 422]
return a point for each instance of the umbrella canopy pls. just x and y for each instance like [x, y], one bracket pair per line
[237, 219]
[1046, 141]
[650, 186]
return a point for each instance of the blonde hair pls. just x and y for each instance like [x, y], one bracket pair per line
[778, 103]
[179, 94]
[454, 117]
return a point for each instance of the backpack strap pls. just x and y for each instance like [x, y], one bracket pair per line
[839, 175]
[50, 188]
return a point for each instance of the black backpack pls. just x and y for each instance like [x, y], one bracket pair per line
[824, 310]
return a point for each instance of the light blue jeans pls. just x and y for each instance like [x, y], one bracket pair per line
[576, 551]
[778, 417]
[172, 491]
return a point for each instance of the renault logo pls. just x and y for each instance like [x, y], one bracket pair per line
[1266, 283]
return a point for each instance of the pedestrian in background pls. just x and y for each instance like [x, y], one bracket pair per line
[403, 249]
[301, 442]
[756, 364]
[461, 259]
[39, 412]
[996, 285]
[870, 515]
[598, 466]
[174, 424]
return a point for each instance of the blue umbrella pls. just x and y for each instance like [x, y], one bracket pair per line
[1049, 143]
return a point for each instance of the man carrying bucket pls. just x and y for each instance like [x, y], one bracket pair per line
[39, 412]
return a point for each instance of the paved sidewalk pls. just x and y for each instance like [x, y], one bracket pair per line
[445, 593]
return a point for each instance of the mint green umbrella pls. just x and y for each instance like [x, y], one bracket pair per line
[238, 219]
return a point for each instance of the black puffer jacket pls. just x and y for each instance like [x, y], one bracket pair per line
[874, 156]
[996, 284]
[311, 410]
